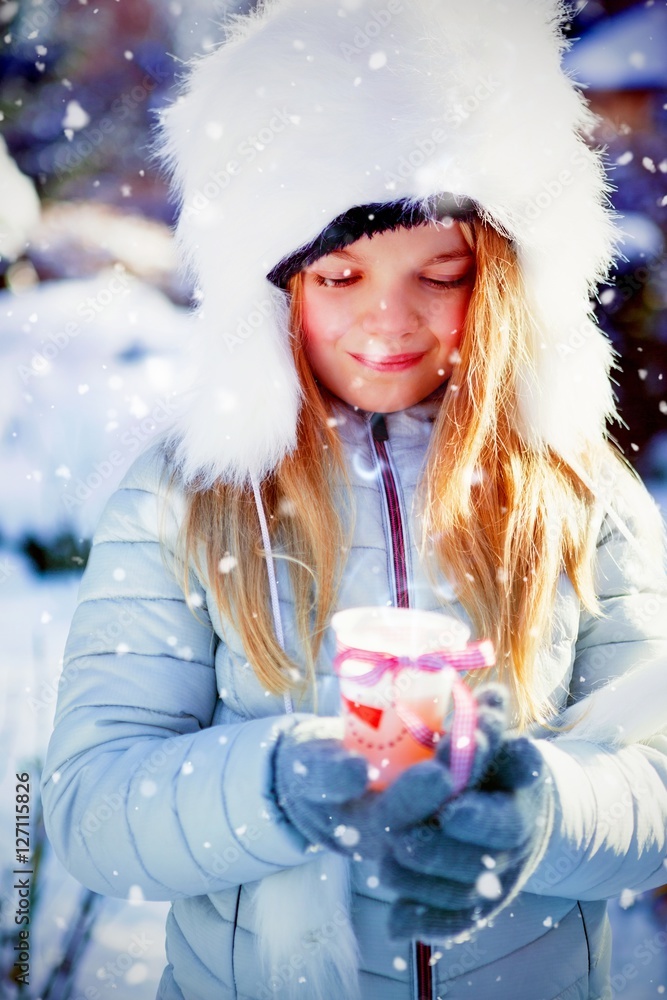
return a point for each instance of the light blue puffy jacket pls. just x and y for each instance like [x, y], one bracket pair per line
[158, 771]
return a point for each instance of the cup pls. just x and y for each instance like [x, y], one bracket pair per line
[398, 675]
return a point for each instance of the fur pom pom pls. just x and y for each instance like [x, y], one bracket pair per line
[302, 924]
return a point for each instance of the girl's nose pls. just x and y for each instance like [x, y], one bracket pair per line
[389, 313]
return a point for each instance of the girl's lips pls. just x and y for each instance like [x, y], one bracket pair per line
[393, 362]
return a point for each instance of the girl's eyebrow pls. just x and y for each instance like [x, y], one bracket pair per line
[449, 255]
[437, 259]
[343, 252]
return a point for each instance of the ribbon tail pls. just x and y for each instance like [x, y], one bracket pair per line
[463, 734]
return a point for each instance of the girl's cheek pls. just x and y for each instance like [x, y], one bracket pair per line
[322, 322]
[449, 311]
[331, 326]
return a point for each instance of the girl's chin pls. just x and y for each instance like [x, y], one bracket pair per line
[381, 399]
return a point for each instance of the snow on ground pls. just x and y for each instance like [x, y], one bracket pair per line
[90, 371]
[127, 948]
[90, 368]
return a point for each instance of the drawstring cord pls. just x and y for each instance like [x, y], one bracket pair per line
[273, 585]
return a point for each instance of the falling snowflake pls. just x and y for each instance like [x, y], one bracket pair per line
[75, 118]
[227, 563]
[347, 835]
[377, 60]
[286, 507]
[488, 885]
[400, 964]
[137, 973]
[135, 895]
[627, 899]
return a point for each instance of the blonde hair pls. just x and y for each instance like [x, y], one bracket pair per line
[306, 515]
[501, 521]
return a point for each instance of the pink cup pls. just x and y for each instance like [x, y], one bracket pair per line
[400, 689]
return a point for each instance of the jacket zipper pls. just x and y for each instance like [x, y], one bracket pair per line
[379, 437]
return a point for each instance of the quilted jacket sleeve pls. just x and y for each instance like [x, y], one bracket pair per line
[141, 795]
[610, 768]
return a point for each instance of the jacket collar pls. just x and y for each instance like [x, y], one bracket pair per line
[399, 423]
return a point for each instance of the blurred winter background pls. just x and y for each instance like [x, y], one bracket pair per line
[92, 324]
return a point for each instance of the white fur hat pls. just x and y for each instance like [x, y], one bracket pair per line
[311, 107]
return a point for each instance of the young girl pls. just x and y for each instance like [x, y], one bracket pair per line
[394, 224]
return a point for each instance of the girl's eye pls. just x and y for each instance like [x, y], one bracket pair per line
[332, 282]
[449, 282]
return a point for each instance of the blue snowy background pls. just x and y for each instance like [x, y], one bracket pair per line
[92, 326]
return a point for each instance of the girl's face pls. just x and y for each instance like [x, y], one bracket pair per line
[382, 318]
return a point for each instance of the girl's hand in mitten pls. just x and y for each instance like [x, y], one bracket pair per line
[465, 861]
[322, 789]
[320, 786]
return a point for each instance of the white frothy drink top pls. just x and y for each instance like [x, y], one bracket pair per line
[399, 631]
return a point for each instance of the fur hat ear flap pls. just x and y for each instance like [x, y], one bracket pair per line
[240, 416]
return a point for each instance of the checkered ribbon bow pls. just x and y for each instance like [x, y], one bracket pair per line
[473, 656]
